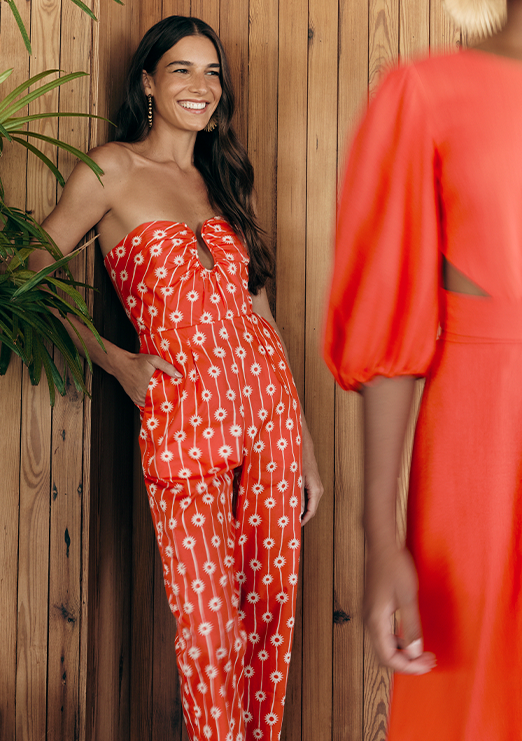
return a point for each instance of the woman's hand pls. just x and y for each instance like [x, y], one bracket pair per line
[391, 584]
[135, 373]
[312, 487]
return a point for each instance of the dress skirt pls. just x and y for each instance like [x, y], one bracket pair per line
[465, 530]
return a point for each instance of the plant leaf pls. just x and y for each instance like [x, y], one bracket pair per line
[85, 9]
[52, 167]
[29, 97]
[67, 147]
[6, 74]
[15, 121]
[5, 357]
[20, 25]
[25, 84]
[4, 132]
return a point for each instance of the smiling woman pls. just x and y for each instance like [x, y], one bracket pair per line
[181, 244]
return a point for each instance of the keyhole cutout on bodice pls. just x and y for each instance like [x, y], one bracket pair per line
[456, 282]
[204, 254]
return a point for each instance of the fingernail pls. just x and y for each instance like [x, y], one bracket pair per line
[414, 649]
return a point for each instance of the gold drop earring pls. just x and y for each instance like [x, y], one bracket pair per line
[149, 114]
[211, 124]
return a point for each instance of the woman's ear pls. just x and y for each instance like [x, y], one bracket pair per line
[146, 83]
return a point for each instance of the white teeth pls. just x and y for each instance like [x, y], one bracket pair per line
[195, 106]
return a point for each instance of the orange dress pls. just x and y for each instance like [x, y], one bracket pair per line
[436, 169]
[230, 572]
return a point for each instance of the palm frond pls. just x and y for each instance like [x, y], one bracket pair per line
[20, 24]
[14, 107]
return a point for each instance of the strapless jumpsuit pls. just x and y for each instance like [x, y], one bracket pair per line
[230, 571]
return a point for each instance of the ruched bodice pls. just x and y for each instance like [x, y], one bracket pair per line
[162, 283]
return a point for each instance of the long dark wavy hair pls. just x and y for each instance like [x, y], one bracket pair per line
[219, 155]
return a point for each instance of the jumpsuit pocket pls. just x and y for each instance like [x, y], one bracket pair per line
[153, 382]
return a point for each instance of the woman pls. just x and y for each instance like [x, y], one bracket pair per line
[177, 230]
[430, 233]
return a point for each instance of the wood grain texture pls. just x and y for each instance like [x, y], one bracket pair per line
[33, 563]
[65, 559]
[143, 597]
[383, 38]
[262, 114]
[377, 682]
[176, 7]
[13, 170]
[167, 716]
[208, 11]
[10, 396]
[445, 36]
[414, 30]
[348, 649]
[291, 250]
[233, 24]
[317, 572]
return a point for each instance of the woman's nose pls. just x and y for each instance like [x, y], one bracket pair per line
[198, 82]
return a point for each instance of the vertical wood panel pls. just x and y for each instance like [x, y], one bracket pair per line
[14, 162]
[33, 561]
[348, 653]
[444, 35]
[208, 11]
[414, 28]
[176, 7]
[10, 393]
[110, 567]
[291, 250]
[143, 604]
[383, 40]
[319, 389]
[167, 719]
[262, 113]
[31, 703]
[233, 23]
[65, 560]
[383, 53]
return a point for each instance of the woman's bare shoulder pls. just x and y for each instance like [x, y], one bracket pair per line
[113, 157]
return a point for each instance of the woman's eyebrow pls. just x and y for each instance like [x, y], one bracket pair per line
[191, 64]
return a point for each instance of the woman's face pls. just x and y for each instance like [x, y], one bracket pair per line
[186, 85]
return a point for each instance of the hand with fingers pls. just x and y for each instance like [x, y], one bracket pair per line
[391, 584]
[312, 485]
[135, 374]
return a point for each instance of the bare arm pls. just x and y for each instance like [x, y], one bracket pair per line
[83, 204]
[313, 488]
[391, 579]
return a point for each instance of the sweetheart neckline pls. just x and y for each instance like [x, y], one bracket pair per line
[162, 221]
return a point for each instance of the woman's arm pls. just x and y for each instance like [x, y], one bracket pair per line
[391, 579]
[83, 204]
[313, 487]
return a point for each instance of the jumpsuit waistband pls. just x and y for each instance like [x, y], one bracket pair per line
[470, 318]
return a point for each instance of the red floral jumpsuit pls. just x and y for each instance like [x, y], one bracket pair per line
[231, 578]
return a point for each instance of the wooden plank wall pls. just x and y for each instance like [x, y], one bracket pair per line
[87, 635]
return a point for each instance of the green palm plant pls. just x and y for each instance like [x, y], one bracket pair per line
[33, 305]
[21, 26]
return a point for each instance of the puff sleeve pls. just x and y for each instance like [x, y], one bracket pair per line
[382, 316]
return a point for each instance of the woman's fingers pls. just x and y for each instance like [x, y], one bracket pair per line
[163, 365]
[406, 661]
[312, 492]
[391, 584]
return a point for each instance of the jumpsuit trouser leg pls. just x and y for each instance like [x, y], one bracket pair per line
[267, 551]
[196, 537]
